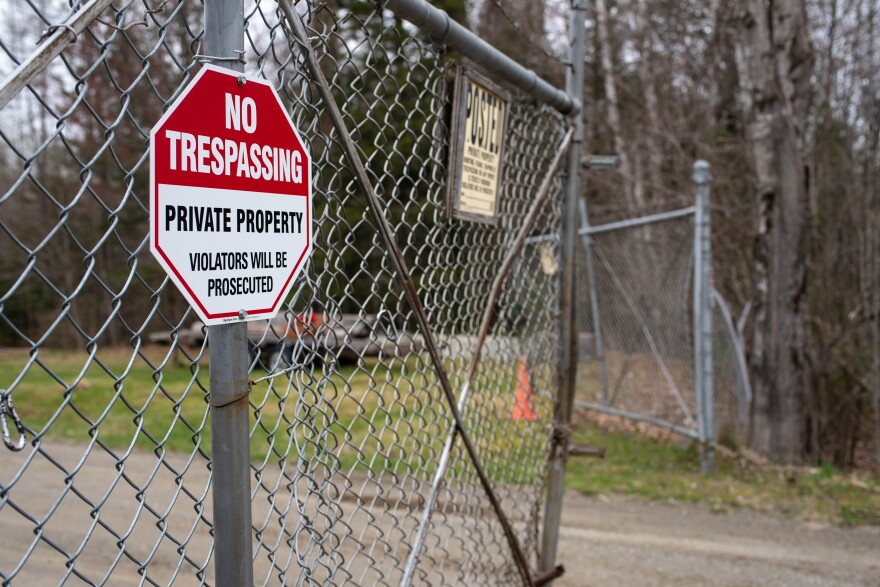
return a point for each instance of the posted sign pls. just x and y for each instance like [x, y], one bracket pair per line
[230, 197]
[476, 147]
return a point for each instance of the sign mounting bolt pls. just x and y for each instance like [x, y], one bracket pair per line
[242, 80]
[242, 314]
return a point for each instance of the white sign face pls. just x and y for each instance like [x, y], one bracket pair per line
[481, 151]
[230, 197]
[476, 148]
[230, 254]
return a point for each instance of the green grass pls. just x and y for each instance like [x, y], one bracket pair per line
[668, 470]
[354, 413]
[391, 417]
[377, 416]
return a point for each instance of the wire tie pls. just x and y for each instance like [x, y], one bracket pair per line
[55, 27]
[239, 58]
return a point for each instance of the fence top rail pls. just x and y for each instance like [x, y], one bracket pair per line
[438, 24]
[611, 226]
[629, 223]
[433, 21]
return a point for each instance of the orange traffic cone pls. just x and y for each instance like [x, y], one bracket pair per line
[524, 409]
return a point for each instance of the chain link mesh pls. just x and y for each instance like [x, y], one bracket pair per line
[732, 391]
[644, 292]
[108, 366]
[644, 278]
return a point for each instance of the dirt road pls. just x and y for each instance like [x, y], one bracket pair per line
[138, 503]
[623, 542]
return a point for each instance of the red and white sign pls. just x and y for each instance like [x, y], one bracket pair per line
[230, 197]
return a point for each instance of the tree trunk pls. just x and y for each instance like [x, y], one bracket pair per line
[647, 71]
[774, 62]
[632, 188]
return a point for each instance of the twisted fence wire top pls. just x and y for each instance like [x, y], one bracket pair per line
[114, 484]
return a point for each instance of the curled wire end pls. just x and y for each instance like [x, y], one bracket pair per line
[7, 410]
[48, 32]
[144, 23]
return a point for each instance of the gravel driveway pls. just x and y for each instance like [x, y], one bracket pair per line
[623, 542]
[603, 542]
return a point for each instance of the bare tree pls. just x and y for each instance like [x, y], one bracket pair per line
[775, 64]
[632, 185]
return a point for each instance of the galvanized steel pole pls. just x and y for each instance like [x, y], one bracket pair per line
[574, 86]
[703, 379]
[230, 428]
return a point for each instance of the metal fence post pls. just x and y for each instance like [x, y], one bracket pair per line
[574, 85]
[703, 380]
[230, 427]
[587, 241]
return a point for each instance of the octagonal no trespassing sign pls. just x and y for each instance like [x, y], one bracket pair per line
[230, 197]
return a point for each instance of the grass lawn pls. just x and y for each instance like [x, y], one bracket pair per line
[382, 416]
[375, 415]
[661, 468]
[357, 413]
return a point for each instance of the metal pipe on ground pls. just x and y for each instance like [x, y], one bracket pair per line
[680, 430]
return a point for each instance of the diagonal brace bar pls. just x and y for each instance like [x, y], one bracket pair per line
[495, 293]
[297, 28]
[58, 41]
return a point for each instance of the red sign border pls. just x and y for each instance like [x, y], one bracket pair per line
[155, 247]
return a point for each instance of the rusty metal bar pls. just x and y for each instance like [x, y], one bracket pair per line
[567, 369]
[548, 576]
[386, 234]
[504, 272]
[495, 293]
[586, 451]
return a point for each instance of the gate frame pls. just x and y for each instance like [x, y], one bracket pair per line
[704, 431]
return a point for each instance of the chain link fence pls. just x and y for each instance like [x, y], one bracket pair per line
[636, 320]
[105, 367]
[644, 283]
[732, 389]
